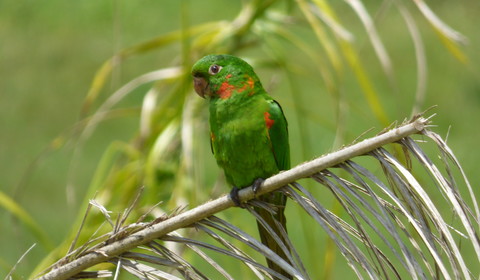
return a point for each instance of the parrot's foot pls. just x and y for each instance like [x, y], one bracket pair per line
[256, 185]
[235, 198]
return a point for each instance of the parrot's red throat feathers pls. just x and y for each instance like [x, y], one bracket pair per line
[201, 86]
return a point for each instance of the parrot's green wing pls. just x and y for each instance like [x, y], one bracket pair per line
[278, 135]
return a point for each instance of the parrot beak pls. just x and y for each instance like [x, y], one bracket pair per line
[201, 86]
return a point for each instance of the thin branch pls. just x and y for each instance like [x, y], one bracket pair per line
[161, 228]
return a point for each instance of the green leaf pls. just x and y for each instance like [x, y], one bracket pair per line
[20, 213]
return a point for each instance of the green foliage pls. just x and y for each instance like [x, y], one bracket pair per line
[19, 213]
[338, 68]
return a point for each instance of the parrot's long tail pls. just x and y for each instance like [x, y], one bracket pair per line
[279, 200]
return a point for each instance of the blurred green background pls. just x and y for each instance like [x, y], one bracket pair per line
[51, 50]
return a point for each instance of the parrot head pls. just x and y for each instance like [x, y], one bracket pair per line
[220, 76]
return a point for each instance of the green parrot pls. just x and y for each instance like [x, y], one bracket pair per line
[249, 135]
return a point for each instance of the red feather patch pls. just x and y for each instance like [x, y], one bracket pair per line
[268, 121]
[225, 90]
[248, 86]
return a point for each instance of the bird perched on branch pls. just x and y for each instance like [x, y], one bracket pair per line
[249, 135]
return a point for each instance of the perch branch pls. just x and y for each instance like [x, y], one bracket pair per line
[210, 208]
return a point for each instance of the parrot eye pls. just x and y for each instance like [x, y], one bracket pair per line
[214, 69]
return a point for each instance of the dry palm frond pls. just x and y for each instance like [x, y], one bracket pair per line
[9, 275]
[394, 228]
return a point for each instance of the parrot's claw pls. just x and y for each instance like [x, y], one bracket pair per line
[235, 198]
[256, 185]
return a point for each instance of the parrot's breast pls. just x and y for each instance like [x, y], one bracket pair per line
[241, 144]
